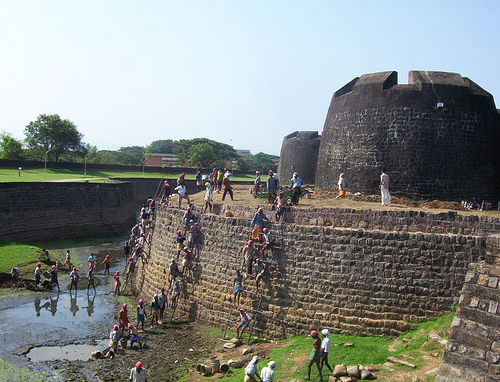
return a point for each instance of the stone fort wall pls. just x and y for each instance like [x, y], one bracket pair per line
[51, 210]
[351, 280]
[447, 152]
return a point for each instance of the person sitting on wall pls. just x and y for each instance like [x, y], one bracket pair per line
[341, 185]
[257, 223]
[296, 184]
[271, 186]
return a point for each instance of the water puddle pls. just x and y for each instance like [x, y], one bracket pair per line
[68, 352]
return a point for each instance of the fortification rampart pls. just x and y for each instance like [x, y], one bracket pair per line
[51, 210]
[364, 281]
[437, 136]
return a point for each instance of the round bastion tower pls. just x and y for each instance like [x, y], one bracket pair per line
[299, 153]
[437, 136]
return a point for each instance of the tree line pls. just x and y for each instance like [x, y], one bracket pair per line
[58, 139]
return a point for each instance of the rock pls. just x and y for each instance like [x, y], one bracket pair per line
[229, 345]
[347, 379]
[365, 374]
[235, 363]
[348, 344]
[433, 336]
[370, 368]
[245, 351]
[401, 362]
[340, 370]
[96, 354]
[353, 371]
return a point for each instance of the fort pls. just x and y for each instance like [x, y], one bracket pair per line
[438, 137]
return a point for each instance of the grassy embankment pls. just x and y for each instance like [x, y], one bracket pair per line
[38, 174]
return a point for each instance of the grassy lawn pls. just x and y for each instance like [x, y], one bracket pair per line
[38, 174]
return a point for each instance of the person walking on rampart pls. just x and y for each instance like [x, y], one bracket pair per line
[341, 185]
[228, 189]
[248, 253]
[237, 287]
[315, 356]
[296, 184]
[325, 348]
[384, 188]
[74, 279]
[245, 319]
[209, 197]
[271, 186]
[257, 223]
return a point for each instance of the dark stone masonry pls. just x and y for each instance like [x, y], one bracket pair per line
[437, 136]
[350, 280]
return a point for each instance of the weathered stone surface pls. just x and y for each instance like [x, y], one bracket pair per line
[340, 370]
[353, 371]
[366, 374]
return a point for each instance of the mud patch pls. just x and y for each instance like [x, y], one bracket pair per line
[68, 352]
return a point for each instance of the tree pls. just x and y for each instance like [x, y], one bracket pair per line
[221, 151]
[201, 155]
[135, 151]
[10, 148]
[165, 146]
[50, 132]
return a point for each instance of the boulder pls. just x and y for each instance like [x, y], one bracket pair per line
[235, 363]
[366, 374]
[353, 371]
[96, 354]
[340, 370]
[347, 379]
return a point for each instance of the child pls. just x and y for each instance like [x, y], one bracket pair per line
[118, 283]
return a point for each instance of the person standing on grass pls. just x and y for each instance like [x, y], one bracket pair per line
[245, 319]
[209, 197]
[226, 183]
[237, 287]
[74, 279]
[138, 373]
[38, 274]
[106, 264]
[141, 314]
[251, 372]
[325, 348]
[315, 356]
[384, 188]
[91, 279]
[267, 373]
[53, 278]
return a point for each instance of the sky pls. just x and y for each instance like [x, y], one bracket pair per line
[245, 73]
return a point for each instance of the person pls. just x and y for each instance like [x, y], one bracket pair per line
[166, 192]
[176, 288]
[186, 219]
[341, 185]
[296, 184]
[113, 338]
[237, 287]
[131, 267]
[315, 355]
[256, 183]
[123, 316]
[14, 272]
[280, 203]
[91, 260]
[245, 319]
[74, 279]
[91, 279]
[186, 260]
[267, 373]
[53, 278]
[209, 197]
[182, 192]
[257, 223]
[325, 348]
[266, 240]
[384, 188]
[67, 262]
[220, 176]
[163, 301]
[248, 253]
[181, 179]
[228, 213]
[118, 283]
[227, 188]
[260, 271]
[141, 313]
[193, 233]
[45, 255]
[174, 270]
[199, 183]
[138, 373]
[38, 274]
[251, 372]
[155, 310]
[107, 264]
[271, 186]
[134, 336]
[179, 239]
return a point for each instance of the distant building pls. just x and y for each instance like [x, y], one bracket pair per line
[245, 154]
[161, 160]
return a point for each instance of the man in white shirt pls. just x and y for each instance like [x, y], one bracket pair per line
[267, 373]
[138, 373]
[325, 348]
[182, 191]
[384, 188]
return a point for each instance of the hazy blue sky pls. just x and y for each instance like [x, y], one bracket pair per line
[243, 72]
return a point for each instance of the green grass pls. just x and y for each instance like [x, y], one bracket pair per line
[10, 372]
[39, 174]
